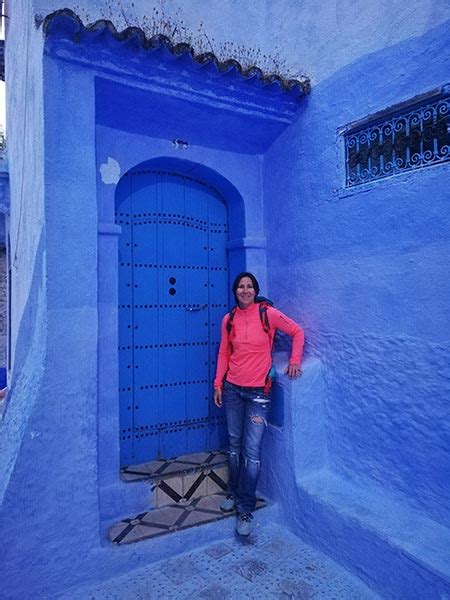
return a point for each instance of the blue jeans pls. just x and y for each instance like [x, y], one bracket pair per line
[247, 410]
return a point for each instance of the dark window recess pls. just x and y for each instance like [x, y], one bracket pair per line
[411, 136]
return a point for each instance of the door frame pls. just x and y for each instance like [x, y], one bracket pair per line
[243, 253]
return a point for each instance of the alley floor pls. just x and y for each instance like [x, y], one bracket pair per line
[270, 563]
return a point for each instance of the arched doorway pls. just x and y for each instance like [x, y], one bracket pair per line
[173, 292]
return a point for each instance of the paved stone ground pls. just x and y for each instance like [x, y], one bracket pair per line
[271, 563]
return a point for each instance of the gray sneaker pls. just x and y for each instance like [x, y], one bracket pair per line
[228, 504]
[244, 524]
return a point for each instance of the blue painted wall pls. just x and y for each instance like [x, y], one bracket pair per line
[366, 272]
[364, 447]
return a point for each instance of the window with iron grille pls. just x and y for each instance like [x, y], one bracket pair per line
[404, 138]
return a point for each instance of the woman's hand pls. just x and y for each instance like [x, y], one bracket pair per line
[218, 397]
[294, 371]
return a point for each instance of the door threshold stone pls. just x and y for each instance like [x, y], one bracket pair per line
[171, 518]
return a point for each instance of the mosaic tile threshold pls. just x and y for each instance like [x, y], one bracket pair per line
[186, 487]
[174, 517]
[181, 465]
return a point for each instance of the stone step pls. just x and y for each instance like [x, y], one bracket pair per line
[182, 488]
[166, 468]
[181, 479]
[186, 491]
[174, 517]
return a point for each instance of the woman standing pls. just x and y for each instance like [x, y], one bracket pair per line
[242, 386]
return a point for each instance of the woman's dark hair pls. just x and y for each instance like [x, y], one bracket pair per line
[238, 279]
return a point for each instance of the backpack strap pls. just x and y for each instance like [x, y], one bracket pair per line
[263, 306]
[230, 319]
[263, 310]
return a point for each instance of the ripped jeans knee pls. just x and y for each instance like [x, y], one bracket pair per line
[251, 462]
[258, 420]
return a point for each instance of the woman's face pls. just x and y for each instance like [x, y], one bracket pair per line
[245, 292]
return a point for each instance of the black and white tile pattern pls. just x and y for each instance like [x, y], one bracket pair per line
[187, 491]
[161, 468]
[184, 487]
[174, 517]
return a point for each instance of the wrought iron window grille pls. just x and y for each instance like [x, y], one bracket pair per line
[406, 137]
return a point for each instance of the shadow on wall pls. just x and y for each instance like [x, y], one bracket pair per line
[28, 364]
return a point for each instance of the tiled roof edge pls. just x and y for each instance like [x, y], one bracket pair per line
[302, 84]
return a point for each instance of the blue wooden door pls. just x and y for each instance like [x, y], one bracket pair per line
[173, 292]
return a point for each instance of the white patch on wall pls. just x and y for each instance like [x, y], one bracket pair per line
[110, 171]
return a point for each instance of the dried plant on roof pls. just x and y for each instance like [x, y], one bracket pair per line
[167, 22]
